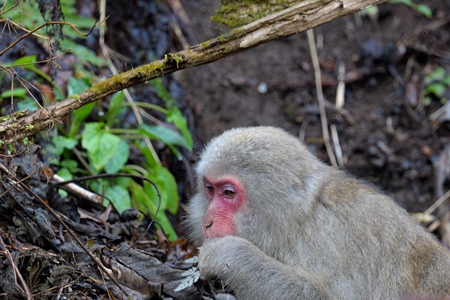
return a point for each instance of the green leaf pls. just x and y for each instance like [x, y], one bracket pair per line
[28, 63]
[421, 8]
[78, 117]
[16, 93]
[405, 2]
[424, 10]
[144, 202]
[175, 117]
[163, 134]
[437, 89]
[68, 8]
[116, 107]
[101, 145]
[99, 185]
[167, 186]
[140, 199]
[25, 60]
[437, 75]
[70, 164]
[446, 80]
[149, 158]
[119, 197]
[65, 174]
[76, 86]
[27, 15]
[61, 143]
[163, 93]
[28, 104]
[162, 219]
[371, 11]
[84, 54]
[119, 159]
[81, 22]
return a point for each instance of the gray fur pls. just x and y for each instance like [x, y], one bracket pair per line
[308, 231]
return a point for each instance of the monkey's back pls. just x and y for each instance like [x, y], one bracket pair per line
[395, 256]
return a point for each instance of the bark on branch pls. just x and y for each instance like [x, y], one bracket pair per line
[298, 18]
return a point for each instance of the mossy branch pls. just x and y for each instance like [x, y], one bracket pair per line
[295, 19]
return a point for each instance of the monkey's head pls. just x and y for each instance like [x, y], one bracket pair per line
[246, 174]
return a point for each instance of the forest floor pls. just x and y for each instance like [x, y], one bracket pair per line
[387, 131]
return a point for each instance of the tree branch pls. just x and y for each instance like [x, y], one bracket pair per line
[298, 18]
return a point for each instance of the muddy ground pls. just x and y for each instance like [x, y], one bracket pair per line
[386, 134]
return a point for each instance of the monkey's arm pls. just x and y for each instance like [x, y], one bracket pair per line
[252, 274]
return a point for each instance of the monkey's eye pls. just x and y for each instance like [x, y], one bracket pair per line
[210, 189]
[229, 193]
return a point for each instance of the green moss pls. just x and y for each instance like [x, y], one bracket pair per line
[16, 115]
[155, 66]
[5, 118]
[205, 44]
[234, 13]
[171, 57]
[75, 96]
[223, 38]
[118, 81]
[29, 127]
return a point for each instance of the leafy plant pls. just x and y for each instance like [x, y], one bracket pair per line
[20, 95]
[106, 150]
[437, 83]
[28, 15]
[421, 8]
[99, 147]
[173, 113]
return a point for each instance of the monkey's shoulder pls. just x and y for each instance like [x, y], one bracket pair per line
[342, 189]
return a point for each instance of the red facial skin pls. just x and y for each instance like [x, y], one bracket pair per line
[225, 197]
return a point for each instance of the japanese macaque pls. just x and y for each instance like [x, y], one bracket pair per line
[274, 222]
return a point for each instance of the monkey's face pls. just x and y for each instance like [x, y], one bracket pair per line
[225, 196]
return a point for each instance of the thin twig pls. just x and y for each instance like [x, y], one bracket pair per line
[46, 24]
[340, 90]
[186, 25]
[9, 21]
[3, 248]
[138, 177]
[78, 190]
[337, 146]
[70, 231]
[437, 203]
[320, 99]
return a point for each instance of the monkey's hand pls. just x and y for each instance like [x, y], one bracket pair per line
[252, 274]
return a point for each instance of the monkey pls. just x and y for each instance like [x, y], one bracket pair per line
[274, 222]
